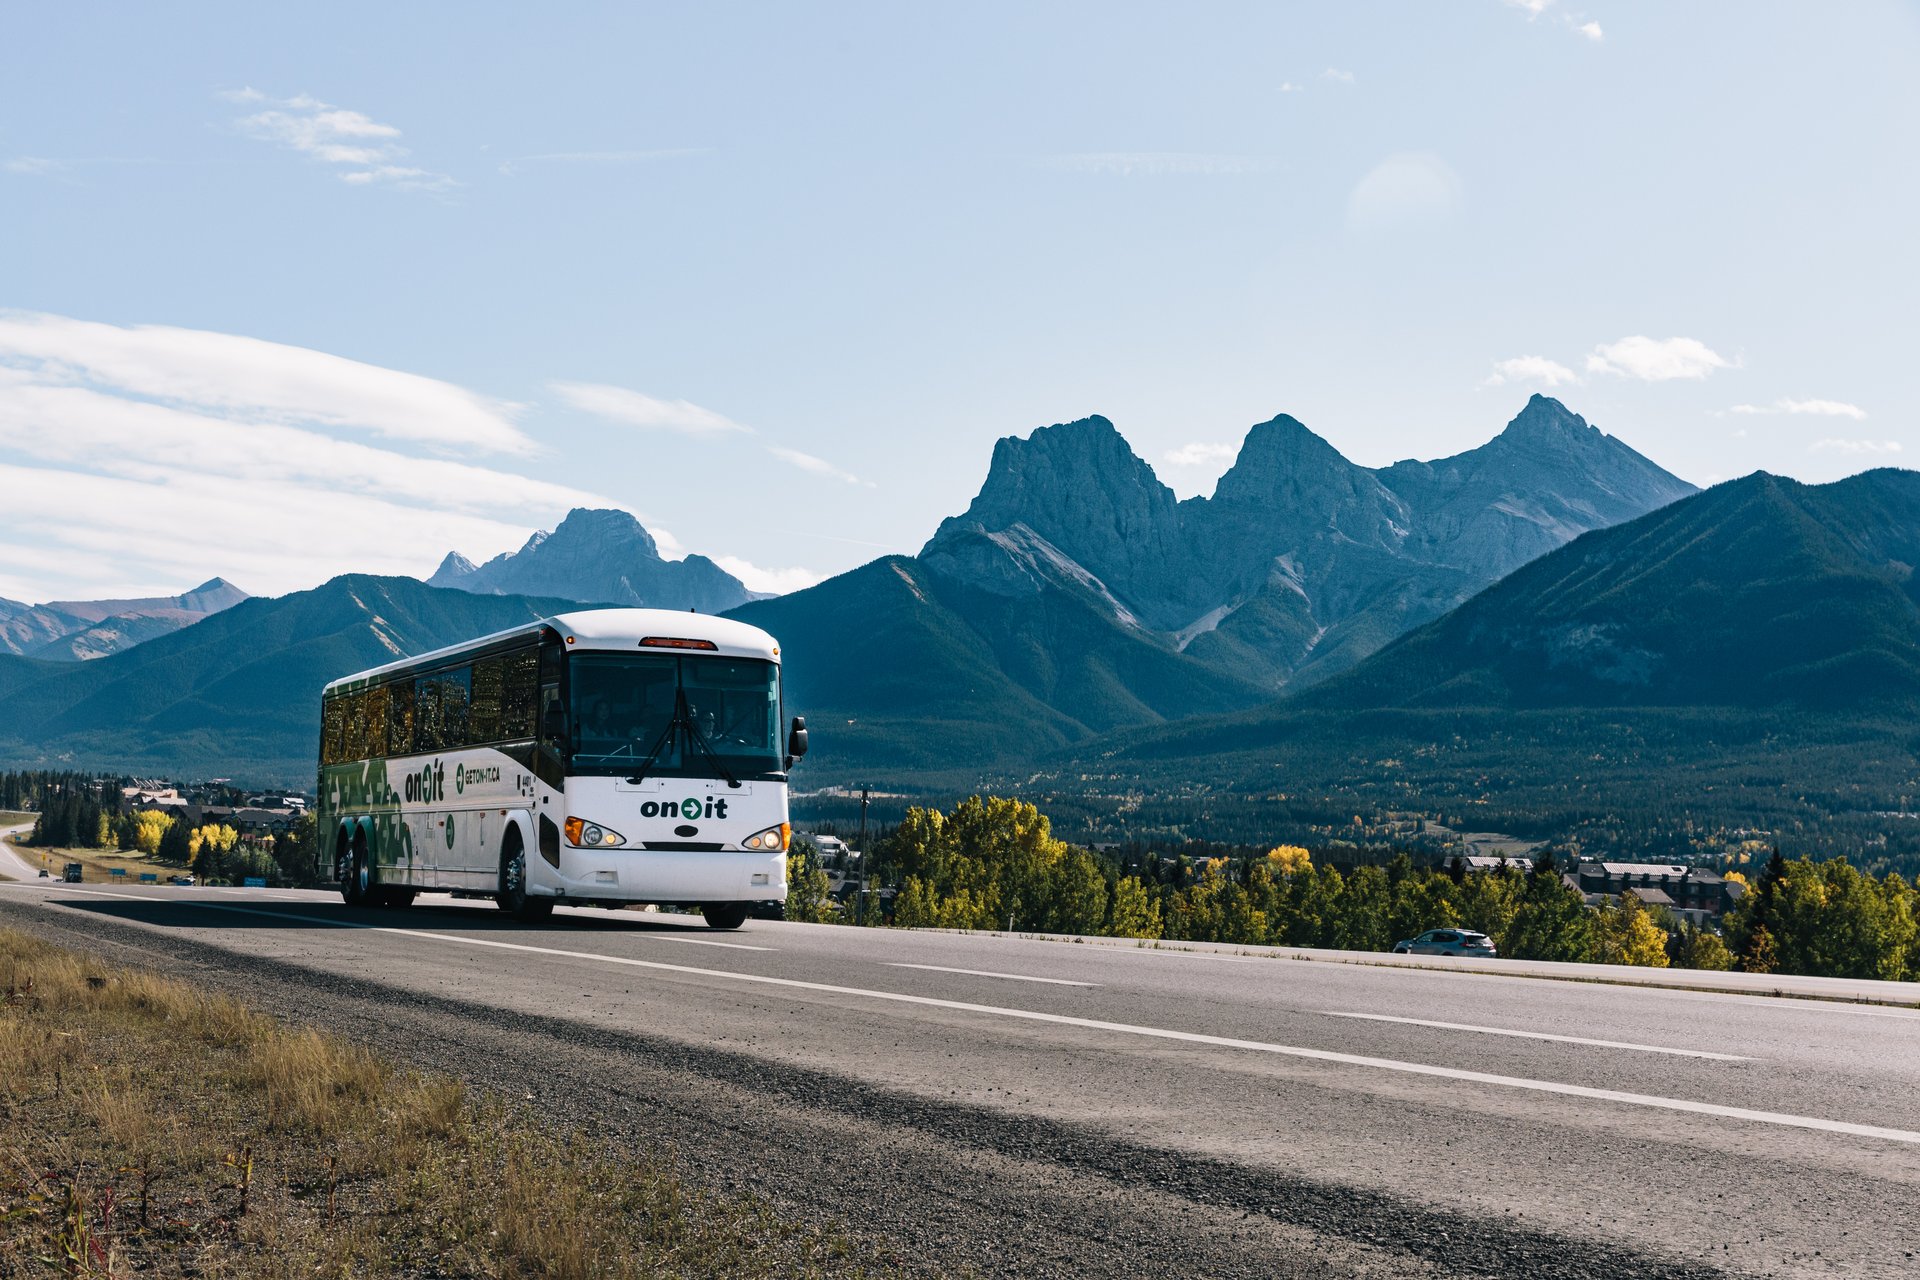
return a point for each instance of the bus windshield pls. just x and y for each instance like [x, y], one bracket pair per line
[623, 705]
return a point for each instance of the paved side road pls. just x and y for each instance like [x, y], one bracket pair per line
[1032, 1108]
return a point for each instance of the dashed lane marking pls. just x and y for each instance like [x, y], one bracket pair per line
[988, 973]
[1542, 1035]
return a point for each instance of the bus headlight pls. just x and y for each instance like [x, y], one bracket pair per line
[582, 834]
[771, 838]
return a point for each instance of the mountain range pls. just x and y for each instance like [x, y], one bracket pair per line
[238, 693]
[1743, 657]
[1741, 665]
[598, 557]
[77, 630]
[1760, 592]
[1078, 594]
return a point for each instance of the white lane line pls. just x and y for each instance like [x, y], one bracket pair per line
[257, 896]
[700, 942]
[1122, 1028]
[988, 973]
[1542, 1035]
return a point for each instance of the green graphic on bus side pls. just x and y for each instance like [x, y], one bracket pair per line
[364, 790]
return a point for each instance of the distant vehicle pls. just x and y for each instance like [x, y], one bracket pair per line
[607, 757]
[44, 873]
[1447, 942]
[73, 873]
[186, 879]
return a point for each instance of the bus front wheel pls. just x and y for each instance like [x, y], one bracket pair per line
[725, 915]
[513, 896]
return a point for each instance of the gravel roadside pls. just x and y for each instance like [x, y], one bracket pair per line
[943, 1189]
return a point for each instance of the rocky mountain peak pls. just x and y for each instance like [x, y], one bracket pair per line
[1543, 414]
[1280, 459]
[587, 524]
[451, 570]
[598, 557]
[1078, 466]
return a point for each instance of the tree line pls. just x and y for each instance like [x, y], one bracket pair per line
[82, 811]
[993, 863]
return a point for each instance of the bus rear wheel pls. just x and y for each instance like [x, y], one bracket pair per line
[513, 896]
[351, 869]
[725, 915]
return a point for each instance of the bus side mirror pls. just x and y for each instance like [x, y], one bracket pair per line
[797, 738]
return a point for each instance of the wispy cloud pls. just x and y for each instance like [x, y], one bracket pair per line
[1336, 75]
[1406, 190]
[1199, 453]
[1656, 359]
[812, 465]
[620, 404]
[1288, 86]
[141, 459]
[48, 166]
[253, 378]
[1573, 22]
[363, 151]
[1818, 408]
[636, 409]
[1534, 369]
[513, 166]
[1152, 164]
[1854, 447]
[759, 578]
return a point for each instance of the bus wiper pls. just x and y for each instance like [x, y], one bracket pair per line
[699, 740]
[660, 743]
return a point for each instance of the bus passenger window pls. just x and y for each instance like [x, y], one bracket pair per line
[426, 714]
[332, 729]
[456, 694]
[353, 739]
[376, 741]
[553, 709]
[519, 694]
[400, 718]
[483, 715]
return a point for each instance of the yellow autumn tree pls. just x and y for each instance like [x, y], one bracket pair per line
[148, 826]
[1626, 934]
[214, 838]
[1287, 859]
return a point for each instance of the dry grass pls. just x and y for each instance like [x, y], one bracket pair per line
[148, 1127]
[100, 863]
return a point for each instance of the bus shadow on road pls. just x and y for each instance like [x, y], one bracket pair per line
[238, 912]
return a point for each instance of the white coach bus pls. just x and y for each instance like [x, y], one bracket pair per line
[600, 758]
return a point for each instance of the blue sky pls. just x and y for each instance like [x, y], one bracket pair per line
[285, 293]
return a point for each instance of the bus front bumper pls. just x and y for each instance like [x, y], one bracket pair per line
[667, 876]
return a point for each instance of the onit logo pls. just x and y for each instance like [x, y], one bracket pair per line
[428, 785]
[689, 809]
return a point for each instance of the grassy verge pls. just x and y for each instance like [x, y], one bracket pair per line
[99, 863]
[148, 1128]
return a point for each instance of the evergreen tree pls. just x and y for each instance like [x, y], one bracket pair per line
[176, 843]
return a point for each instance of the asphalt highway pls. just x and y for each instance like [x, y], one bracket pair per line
[1030, 1106]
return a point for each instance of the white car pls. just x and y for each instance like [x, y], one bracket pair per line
[1447, 942]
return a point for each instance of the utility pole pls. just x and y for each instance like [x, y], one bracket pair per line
[868, 880]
